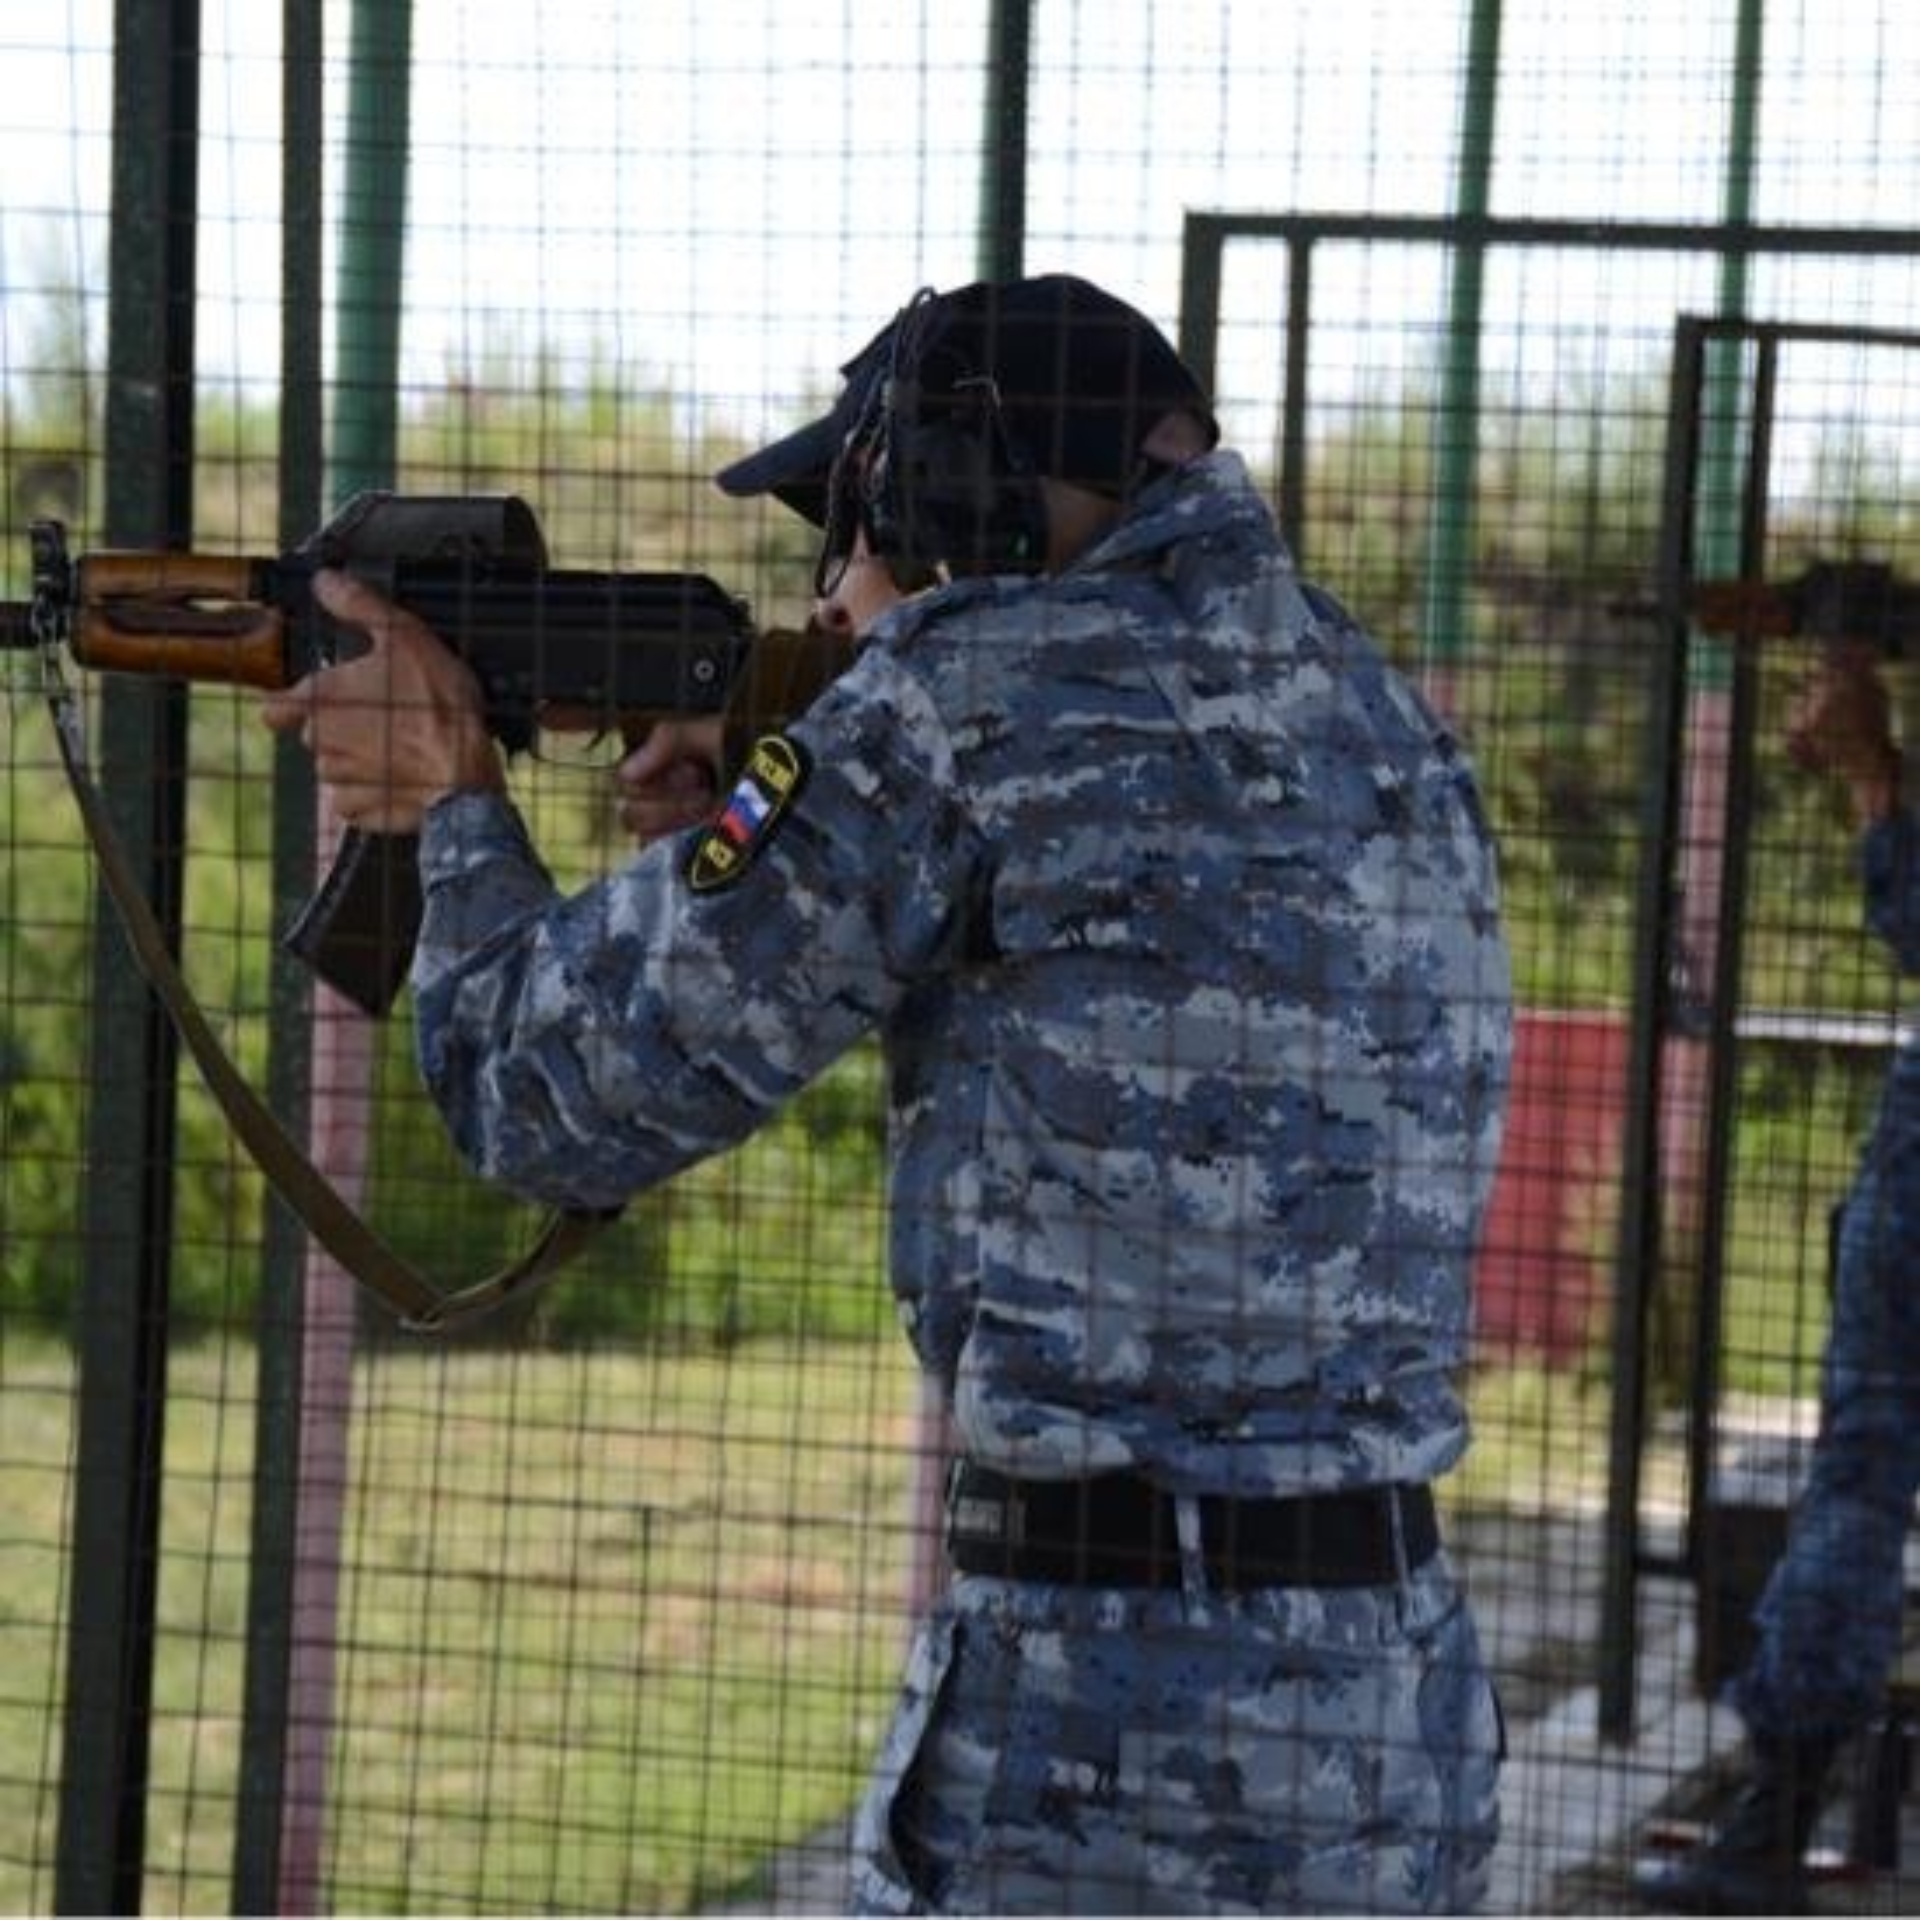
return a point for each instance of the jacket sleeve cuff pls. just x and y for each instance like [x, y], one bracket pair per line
[479, 873]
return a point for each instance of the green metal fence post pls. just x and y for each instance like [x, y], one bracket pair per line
[1722, 469]
[1003, 143]
[261, 1794]
[142, 749]
[373, 217]
[1450, 555]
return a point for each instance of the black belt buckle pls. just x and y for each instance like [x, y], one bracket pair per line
[985, 1509]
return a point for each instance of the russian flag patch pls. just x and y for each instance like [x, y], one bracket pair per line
[775, 771]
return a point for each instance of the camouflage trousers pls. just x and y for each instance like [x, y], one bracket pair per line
[1075, 1750]
[1829, 1620]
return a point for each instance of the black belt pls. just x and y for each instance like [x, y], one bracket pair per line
[1117, 1530]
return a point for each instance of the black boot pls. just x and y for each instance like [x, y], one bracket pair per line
[1751, 1862]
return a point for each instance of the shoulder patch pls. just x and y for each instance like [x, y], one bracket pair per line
[769, 783]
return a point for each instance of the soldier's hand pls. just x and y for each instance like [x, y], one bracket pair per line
[395, 728]
[1840, 723]
[670, 778]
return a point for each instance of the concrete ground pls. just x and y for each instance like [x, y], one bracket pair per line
[1579, 1810]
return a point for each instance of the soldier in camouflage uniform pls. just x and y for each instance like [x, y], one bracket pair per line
[1829, 1619]
[1175, 912]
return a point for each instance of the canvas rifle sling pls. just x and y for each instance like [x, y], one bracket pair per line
[314, 1200]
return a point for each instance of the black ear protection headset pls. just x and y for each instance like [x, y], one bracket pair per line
[938, 482]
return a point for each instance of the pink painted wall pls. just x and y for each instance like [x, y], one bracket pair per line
[1546, 1250]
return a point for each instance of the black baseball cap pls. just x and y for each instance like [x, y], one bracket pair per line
[1081, 376]
[794, 470]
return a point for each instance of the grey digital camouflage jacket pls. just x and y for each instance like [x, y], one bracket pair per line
[1175, 912]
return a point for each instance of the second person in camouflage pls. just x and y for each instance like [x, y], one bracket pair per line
[1830, 1618]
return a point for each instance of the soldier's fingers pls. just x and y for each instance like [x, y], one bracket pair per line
[669, 745]
[286, 710]
[355, 604]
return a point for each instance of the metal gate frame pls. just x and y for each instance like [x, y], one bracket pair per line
[1704, 351]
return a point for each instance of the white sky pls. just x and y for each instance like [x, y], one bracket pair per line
[728, 195]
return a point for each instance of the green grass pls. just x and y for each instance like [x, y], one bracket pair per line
[613, 1627]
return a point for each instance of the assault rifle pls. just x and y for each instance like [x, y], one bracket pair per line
[600, 651]
[1831, 600]
[589, 651]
